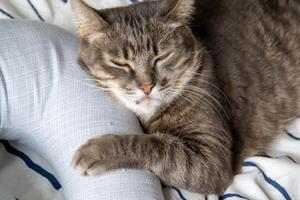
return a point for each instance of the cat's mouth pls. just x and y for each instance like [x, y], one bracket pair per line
[145, 101]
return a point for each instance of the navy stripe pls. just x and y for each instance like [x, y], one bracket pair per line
[134, 1]
[276, 185]
[179, 193]
[278, 157]
[291, 135]
[231, 195]
[65, 1]
[223, 197]
[38, 169]
[6, 13]
[35, 10]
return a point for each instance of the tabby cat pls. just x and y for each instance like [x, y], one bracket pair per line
[212, 82]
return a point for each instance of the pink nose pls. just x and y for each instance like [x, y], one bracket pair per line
[147, 88]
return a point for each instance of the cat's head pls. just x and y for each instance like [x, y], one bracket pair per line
[144, 54]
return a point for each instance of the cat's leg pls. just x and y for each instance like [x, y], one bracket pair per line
[203, 166]
[46, 104]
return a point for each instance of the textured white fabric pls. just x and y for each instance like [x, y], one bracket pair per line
[46, 104]
[18, 180]
[56, 12]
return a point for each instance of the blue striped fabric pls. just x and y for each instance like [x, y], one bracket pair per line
[6, 13]
[223, 197]
[35, 167]
[55, 183]
[231, 195]
[278, 157]
[35, 10]
[179, 193]
[273, 183]
[134, 1]
[291, 135]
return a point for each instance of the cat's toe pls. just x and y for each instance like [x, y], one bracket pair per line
[95, 157]
[87, 160]
[84, 164]
[95, 169]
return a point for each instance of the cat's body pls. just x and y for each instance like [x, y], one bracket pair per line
[255, 47]
[236, 90]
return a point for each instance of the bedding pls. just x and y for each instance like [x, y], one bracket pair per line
[26, 176]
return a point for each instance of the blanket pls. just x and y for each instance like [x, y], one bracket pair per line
[26, 176]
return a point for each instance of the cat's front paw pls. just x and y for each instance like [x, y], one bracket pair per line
[96, 156]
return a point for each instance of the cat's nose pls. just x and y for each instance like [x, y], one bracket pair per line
[147, 88]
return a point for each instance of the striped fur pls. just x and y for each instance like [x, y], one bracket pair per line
[226, 84]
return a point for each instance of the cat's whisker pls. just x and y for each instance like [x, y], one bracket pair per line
[195, 96]
[192, 94]
[227, 99]
[186, 96]
[110, 89]
[204, 92]
[98, 88]
[198, 51]
[183, 97]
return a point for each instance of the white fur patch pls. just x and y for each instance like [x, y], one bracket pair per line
[146, 111]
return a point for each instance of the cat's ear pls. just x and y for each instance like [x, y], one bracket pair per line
[91, 25]
[178, 11]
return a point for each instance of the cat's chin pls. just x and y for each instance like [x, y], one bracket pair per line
[146, 101]
[146, 107]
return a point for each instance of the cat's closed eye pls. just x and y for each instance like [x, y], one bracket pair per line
[161, 58]
[121, 65]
